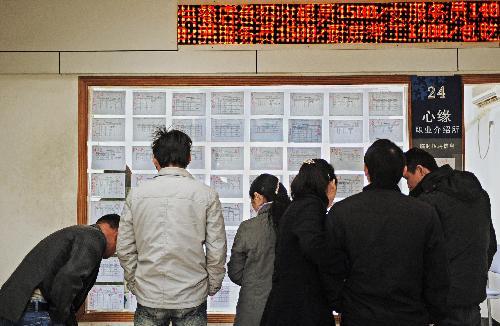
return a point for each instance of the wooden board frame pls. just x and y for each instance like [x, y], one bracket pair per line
[84, 83]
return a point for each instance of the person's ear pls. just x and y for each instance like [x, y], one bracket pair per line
[367, 174]
[157, 165]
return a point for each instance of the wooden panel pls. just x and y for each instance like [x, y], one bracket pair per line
[168, 62]
[357, 61]
[482, 59]
[75, 25]
[29, 62]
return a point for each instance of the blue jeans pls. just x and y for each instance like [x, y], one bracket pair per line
[31, 318]
[196, 316]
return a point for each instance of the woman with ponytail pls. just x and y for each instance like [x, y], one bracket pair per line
[252, 256]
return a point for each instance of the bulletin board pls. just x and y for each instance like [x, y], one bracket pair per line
[240, 127]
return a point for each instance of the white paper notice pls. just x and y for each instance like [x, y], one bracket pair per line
[228, 103]
[108, 157]
[149, 103]
[130, 302]
[194, 128]
[197, 157]
[346, 131]
[230, 234]
[103, 207]
[347, 158]
[304, 131]
[233, 213]
[349, 184]
[189, 104]
[267, 103]
[297, 156]
[201, 178]
[107, 185]
[140, 178]
[108, 129]
[445, 160]
[266, 158]
[142, 158]
[346, 104]
[266, 130]
[228, 186]
[227, 130]
[106, 298]
[108, 102]
[227, 158]
[385, 103]
[110, 271]
[145, 127]
[225, 300]
[306, 104]
[386, 128]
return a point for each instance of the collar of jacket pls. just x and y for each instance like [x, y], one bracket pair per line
[430, 180]
[374, 186]
[174, 171]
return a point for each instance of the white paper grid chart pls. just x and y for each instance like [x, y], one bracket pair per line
[238, 132]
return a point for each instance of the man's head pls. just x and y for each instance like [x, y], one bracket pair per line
[418, 164]
[171, 148]
[384, 163]
[109, 226]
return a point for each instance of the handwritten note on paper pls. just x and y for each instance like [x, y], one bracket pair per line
[227, 158]
[266, 158]
[107, 185]
[106, 298]
[227, 102]
[228, 186]
[306, 104]
[149, 103]
[440, 161]
[108, 102]
[108, 157]
[142, 158]
[266, 130]
[108, 129]
[227, 130]
[304, 131]
[385, 103]
[346, 104]
[194, 128]
[145, 127]
[347, 158]
[346, 131]
[188, 104]
[386, 128]
[225, 300]
[297, 155]
[349, 184]
[103, 207]
[110, 271]
[139, 178]
[267, 103]
[233, 213]
[197, 157]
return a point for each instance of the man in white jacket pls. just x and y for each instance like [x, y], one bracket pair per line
[171, 240]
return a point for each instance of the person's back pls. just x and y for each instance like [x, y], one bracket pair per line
[395, 262]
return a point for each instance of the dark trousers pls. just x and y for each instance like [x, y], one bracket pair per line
[462, 316]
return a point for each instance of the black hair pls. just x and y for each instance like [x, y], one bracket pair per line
[270, 187]
[416, 156]
[171, 147]
[385, 163]
[313, 178]
[113, 220]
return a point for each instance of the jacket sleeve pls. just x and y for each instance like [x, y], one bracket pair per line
[126, 248]
[436, 277]
[492, 248]
[310, 230]
[84, 258]
[215, 244]
[236, 264]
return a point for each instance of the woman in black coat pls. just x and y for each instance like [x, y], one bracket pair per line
[303, 267]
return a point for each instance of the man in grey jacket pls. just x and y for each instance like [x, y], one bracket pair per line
[172, 240]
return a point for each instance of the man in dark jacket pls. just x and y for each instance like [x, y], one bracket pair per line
[464, 209]
[53, 280]
[396, 271]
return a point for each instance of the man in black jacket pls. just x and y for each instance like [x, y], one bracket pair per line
[395, 271]
[465, 213]
[53, 280]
